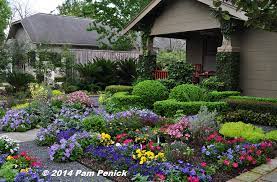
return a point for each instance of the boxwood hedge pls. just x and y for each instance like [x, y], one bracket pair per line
[169, 108]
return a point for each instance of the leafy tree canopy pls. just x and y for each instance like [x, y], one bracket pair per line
[110, 17]
[261, 13]
[5, 14]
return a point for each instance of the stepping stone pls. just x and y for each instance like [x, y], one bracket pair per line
[248, 176]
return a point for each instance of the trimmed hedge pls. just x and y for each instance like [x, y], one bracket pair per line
[169, 108]
[246, 116]
[121, 101]
[262, 99]
[150, 91]
[187, 92]
[118, 88]
[245, 103]
[217, 96]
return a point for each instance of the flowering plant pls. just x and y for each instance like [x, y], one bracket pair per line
[66, 150]
[179, 130]
[8, 146]
[79, 97]
[105, 139]
[38, 92]
[48, 136]
[20, 168]
[17, 120]
[144, 156]
[240, 155]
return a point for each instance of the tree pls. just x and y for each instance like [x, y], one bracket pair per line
[262, 14]
[110, 17]
[5, 13]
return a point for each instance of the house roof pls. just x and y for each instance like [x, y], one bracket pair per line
[57, 30]
[155, 4]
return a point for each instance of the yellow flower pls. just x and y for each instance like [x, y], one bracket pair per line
[134, 157]
[9, 157]
[142, 160]
[138, 151]
[23, 171]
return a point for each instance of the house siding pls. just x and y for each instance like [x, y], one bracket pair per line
[182, 16]
[259, 63]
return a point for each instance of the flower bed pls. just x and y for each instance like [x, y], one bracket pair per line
[151, 147]
[18, 167]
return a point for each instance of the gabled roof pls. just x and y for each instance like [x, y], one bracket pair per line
[57, 30]
[154, 4]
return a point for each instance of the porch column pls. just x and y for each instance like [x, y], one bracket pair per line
[228, 62]
[148, 57]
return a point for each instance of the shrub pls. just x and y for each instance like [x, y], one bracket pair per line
[252, 104]
[228, 69]
[38, 91]
[170, 107]
[217, 96]
[56, 93]
[100, 72]
[150, 91]
[169, 83]
[19, 80]
[79, 97]
[181, 72]
[122, 101]
[118, 88]
[262, 99]
[95, 124]
[271, 135]
[126, 71]
[70, 88]
[247, 116]
[239, 129]
[202, 121]
[213, 83]
[186, 92]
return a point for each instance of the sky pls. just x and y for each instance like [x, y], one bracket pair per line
[39, 6]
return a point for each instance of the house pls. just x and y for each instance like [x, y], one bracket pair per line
[193, 21]
[58, 31]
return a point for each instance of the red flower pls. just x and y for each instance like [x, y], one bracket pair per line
[235, 165]
[254, 162]
[126, 142]
[36, 164]
[23, 154]
[193, 179]
[268, 159]
[259, 152]
[16, 157]
[27, 158]
[242, 158]
[249, 158]
[226, 162]
[203, 164]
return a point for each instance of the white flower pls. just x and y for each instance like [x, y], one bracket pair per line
[118, 145]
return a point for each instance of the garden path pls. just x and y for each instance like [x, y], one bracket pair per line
[28, 144]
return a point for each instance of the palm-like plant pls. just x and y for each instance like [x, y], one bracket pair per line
[127, 71]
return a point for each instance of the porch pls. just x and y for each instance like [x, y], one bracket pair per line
[201, 50]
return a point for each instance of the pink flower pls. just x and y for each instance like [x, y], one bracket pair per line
[254, 162]
[203, 164]
[226, 162]
[259, 152]
[268, 159]
[235, 165]
[126, 142]
[193, 179]
[241, 158]
[160, 177]
[249, 158]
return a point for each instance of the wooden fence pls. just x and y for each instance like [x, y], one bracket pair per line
[84, 56]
